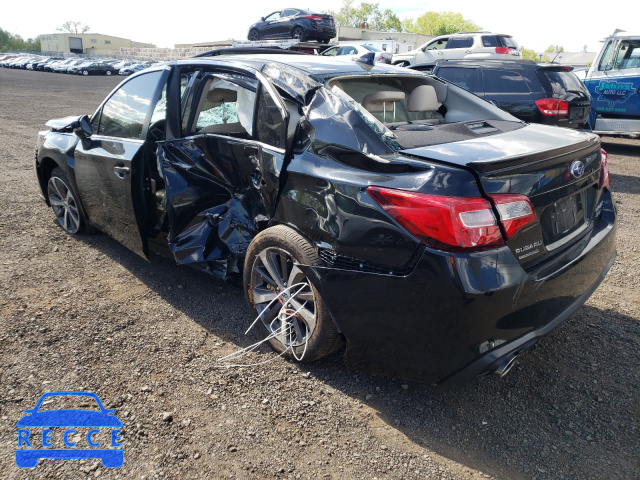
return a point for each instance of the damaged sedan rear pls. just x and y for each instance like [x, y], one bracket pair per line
[434, 234]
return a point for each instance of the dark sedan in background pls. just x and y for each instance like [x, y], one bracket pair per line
[541, 93]
[294, 23]
[435, 234]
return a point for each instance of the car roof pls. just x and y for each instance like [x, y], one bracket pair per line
[308, 64]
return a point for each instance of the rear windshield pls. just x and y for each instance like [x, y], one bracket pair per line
[371, 48]
[563, 82]
[508, 42]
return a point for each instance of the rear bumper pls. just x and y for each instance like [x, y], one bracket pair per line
[456, 316]
[617, 126]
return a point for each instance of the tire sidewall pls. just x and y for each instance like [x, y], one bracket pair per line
[273, 237]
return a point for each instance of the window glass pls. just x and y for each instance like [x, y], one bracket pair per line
[125, 112]
[331, 52]
[371, 48]
[468, 78]
[438, 44]
[504, 81]
[273, 16]
[508, 42]
[289, 12]
[606, 56]
[226, 107]
[490, 41]
[348, 51]
[460, 42]
[563, 82]
[628, 54]
[269, 124]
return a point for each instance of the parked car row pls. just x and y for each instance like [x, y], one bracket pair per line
[74, 65]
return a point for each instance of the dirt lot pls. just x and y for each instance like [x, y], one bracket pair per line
[84, 313]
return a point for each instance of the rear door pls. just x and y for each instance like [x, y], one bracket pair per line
[222, 178]
[458, 47]
[109, 164]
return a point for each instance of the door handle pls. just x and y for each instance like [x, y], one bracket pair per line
[120, 170]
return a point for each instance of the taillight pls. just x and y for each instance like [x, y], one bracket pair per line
[604, 171]
[441, 221]
[553, 106]
[380, 58]
[515, 212]
[455, 223]
[313, 17]
[502, 50]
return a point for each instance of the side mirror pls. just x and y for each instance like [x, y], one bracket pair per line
[262, 18]
[83, 127]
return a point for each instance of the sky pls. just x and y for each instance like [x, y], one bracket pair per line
[535, 25]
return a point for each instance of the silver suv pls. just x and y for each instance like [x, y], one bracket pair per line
[458, 46]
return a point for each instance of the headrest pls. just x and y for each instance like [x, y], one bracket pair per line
[222, 95]
[375, 102]
[423, 99]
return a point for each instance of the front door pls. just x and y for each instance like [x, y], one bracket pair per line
[109, 164]
[615, 82]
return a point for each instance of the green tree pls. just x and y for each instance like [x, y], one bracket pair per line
[528, 54]
[439, 23]
[9, 41]
[368, 14]
[554, 49]
[73, 27]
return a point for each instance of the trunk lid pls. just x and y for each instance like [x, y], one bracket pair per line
[557, 169]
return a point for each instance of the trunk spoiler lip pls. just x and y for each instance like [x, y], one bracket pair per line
[498, 164]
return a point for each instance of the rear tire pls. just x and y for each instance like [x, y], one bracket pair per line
[301, 326]
[325, 40]
[108, 73]
[85, 73]
[298, 33]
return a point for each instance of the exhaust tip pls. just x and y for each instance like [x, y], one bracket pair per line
[505, 367]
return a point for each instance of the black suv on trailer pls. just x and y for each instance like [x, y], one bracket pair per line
[538, 93]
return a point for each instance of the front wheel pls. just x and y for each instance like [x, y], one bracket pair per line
[254, 35]
[85, 73]
[298, 33]
[64, 203]
[108, 73]
[291, 312]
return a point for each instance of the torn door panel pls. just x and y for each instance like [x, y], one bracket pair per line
[219, 193]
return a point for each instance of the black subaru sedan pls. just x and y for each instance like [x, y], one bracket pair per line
[434, 234]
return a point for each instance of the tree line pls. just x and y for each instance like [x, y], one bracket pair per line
[10, 41]
[370, 16]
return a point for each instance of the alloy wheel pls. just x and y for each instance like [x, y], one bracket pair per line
[283, 297]
[64, 205]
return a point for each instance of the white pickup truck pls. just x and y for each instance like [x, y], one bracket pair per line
[613, 81]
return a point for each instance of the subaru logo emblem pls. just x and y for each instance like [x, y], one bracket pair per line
[577, 168]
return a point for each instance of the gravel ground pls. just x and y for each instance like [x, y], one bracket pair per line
[84, 313]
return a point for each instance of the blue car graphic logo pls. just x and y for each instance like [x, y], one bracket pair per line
[27, 453]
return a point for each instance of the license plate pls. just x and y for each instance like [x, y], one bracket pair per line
[565, 215]
[577, 113]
